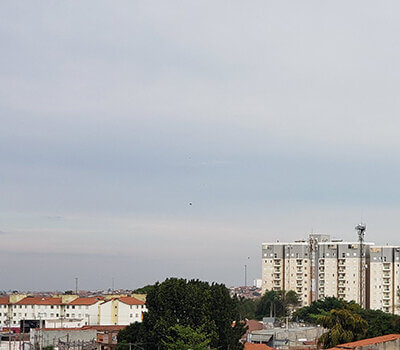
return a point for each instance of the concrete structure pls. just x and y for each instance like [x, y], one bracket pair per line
[41, 338]
[320, 267]
[285, 338]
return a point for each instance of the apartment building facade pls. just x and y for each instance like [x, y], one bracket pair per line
[68, 311]
[320, 267]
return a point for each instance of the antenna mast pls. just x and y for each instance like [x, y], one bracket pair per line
[361, 228]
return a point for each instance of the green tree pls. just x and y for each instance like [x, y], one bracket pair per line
[318, 308]
[188, 303]
[185, 337]
[267, 305]
[246, 308]
[276, 304]
[143, 290]
[288, 300]
[345, 325]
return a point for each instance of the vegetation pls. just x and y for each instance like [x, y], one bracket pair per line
[271, 304]
[182, 312]
[185, 337]
[345, 325]
[143, 290]
[347, 321]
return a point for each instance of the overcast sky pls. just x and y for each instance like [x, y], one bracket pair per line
[273, 118]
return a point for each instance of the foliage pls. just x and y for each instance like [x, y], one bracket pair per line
[246, 308]
[317, 308]
[377, 322]
[380, 323]
[143, 290]
[185, 337]
[187, 303]
[276, 304]
[345, 325]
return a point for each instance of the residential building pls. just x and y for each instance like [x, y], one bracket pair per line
[121, 311]
[321, 267]
[69, 311]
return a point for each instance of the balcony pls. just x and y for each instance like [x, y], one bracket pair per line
[386, 297]
[321, 261]
[321, 269]
[299, 278]
[321, 276]
[342, 262]
[386, 274]
[342, 276]
[386, 281]
[299, 262]
[386, 267]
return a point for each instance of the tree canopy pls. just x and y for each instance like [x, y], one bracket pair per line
[343, 318]
[190, 310]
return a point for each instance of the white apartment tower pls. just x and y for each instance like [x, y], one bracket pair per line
[321, 267]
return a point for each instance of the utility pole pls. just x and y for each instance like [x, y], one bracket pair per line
[76, 285]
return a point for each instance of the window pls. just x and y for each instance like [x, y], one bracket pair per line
[131, 315]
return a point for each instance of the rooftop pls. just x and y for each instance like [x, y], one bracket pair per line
[366, 342]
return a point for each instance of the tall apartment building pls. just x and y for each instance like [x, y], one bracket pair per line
[384, 276]
[320, 267]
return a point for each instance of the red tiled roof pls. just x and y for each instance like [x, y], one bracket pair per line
[250, 346]
[85, 301]
[253, 325]
[4, 300]
[365, 342]
[39, 301]
[131, 301]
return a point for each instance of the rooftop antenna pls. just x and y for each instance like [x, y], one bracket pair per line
[361, 228]
[76, 285]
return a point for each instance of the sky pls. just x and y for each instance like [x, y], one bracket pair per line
[141, 140]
